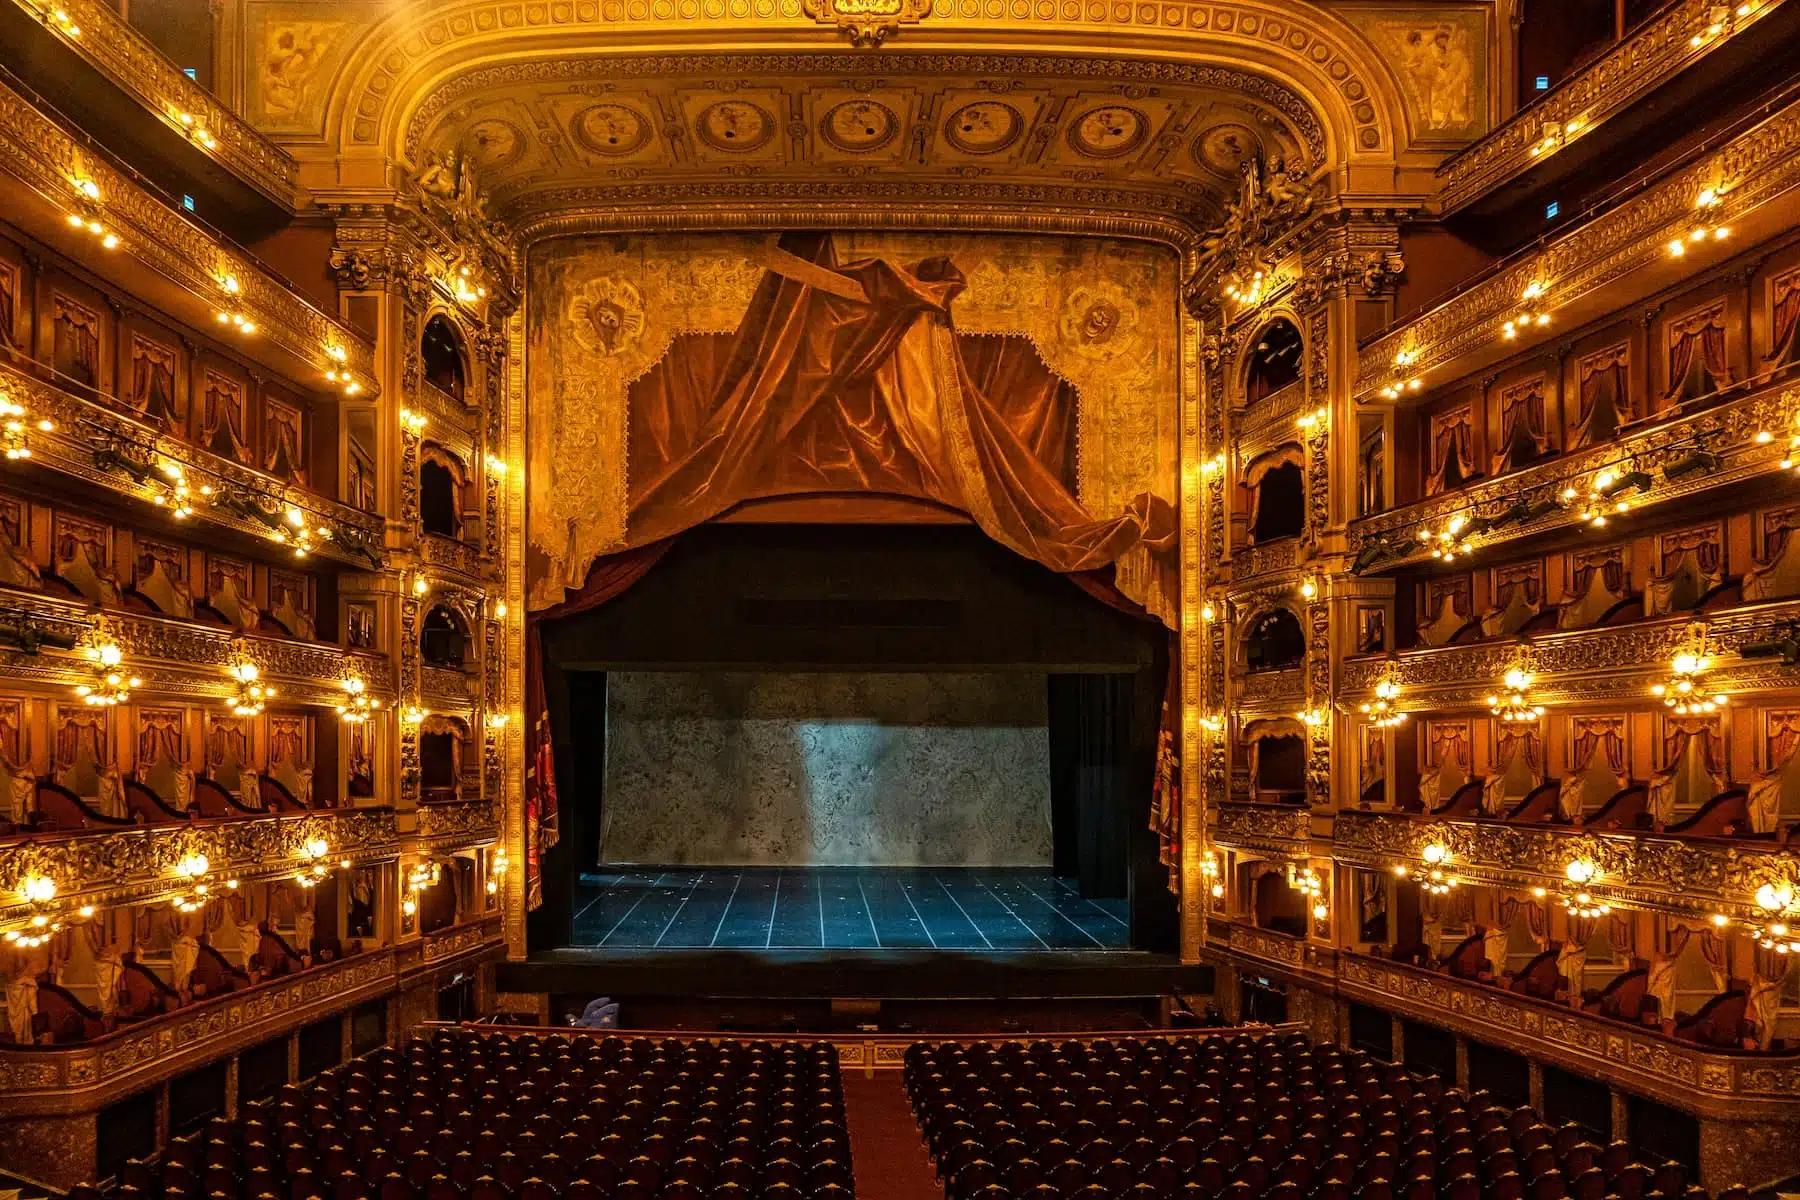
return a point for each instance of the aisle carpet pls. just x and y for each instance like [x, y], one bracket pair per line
[885, 1147]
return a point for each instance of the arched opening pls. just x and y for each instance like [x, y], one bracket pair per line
[1277, 496]
[1274, 360]
[441, 350]
[441, 481]
[444, 640]
[1276, 642]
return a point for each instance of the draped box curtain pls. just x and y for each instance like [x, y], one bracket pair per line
[1452, 451]
[1783, 733]
[1522, 436]
[1769, 970]
[1258, 470]
[1667, 941]
[1600, 389]
[852, 379]
[1697, 355]
[1784, 346]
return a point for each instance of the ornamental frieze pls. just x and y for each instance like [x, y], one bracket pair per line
[1691, 878]
[1265, 690]
[1281, 829]
[1581, 664]
[189, 1036]
[48, 159]
[457, 821]
[116, 865]
[1760, 164]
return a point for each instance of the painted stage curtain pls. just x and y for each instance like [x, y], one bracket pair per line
[851, 379]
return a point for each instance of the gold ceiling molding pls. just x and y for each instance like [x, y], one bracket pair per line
[1097, 134]
[383, 78]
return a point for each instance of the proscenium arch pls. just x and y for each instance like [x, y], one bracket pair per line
[408, 55]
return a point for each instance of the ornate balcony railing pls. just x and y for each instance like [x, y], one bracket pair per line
[1693, 877]
[117, 866]
[1577, 665]
[51, 162]
[1655, 53]
[141, 71]
[458, 822]
[1275, 828]
[180, 658]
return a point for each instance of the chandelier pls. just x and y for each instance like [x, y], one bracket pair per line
[1683, 692]
[248, 701]
[314, 852]
[1778, 901]
[196, 891]
[1382, 711]
[1532, 312]
[1514, 702]
[113, 686]
[357, 706]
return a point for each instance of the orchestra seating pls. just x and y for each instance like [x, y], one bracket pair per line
[493, 1115]
[1242, 1117]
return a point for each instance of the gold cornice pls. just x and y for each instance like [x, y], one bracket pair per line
[110, 45]
[777, 215]
[1655, 53]
[1464, 332]
[47, 159]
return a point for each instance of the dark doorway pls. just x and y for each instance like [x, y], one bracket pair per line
[441, 351]
[1263, 1001]
[1276, 642]
[1274, 360]
[1280, 768]
[1279, 907]
[440, 508]
[1280, 504]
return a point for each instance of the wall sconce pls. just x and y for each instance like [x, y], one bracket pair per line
[1212, 724]
[1309, 588]
[229, 312]
[500, 610]
[498, 721]
[1213, 465]
[412, 714]
[85, 215]
[1312, 718]
[13, 432]
[496, 465]
[65, 23]
[464, 288]
[113, 687]
[338, 373]
[1706, 206]
[1247, 291]
[1382, 711]
[250, 696]
[195, 130]
[420, 585]
[497, 868]
[358, 706]
[1683, 692]
[1312, 420]
[412, 422]
[1532, 312]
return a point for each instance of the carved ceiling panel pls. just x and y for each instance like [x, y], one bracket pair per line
[1128, 135]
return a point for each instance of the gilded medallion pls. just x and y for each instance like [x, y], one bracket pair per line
[735, 126]
[611, 130]
[859, 126]
[984, 127]
[1108, 131]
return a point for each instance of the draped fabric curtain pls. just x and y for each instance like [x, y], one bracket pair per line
[1697, 355]
[1667, 940]
[1537, 919]
[77, 342]
[1526, 741]
[850, 378]
[1618, 934]
[1452, 450]
[1590, 740]
[1259, 469]
[1677, 733]
[9, 282]
[1571, 959]
[1600, 389]
[1612, 577]
[1717, 953]
[1783, 734]
[153, 382]
[1784, 346]
[1522, 436]
[157, 741]
[1769, 970]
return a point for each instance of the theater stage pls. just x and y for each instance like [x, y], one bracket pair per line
[844, 908]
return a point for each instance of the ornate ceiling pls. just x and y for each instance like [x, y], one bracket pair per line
[552, 137]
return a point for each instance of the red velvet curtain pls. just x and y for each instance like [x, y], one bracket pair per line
[607, 579]
[1784, 347]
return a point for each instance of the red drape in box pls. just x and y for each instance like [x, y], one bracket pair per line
[608, 578]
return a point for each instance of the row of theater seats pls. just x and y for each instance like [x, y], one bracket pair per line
[497, 1116]
[1242, 1117]
[56, 809]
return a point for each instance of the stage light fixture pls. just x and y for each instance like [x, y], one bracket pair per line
[1699, 460]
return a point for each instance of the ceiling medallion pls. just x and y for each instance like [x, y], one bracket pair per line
[859, 126]
[984, 127]
[735, 126]
[611, 130]
[1221, 148]
[1108, 131]
[867, 23]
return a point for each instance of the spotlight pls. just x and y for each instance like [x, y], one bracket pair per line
[1640, 480]
[1368, 556]
[1699, 460]
[1784, 644]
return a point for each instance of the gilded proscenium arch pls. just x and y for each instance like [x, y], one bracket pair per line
[407, 56]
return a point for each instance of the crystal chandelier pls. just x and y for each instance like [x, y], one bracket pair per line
[1514, 702]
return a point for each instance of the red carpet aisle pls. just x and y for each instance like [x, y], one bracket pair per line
[885, 1146]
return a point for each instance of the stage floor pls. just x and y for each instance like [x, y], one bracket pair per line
[843, 908]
